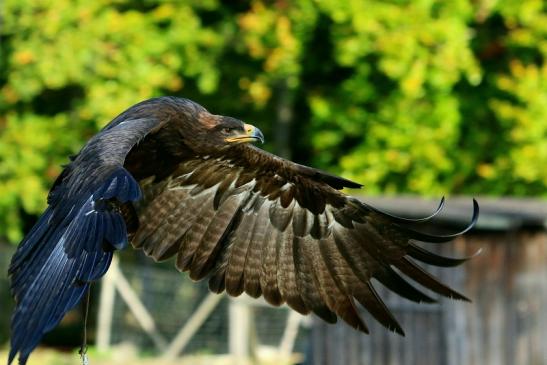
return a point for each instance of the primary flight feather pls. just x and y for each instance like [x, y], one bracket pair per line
[177, 181]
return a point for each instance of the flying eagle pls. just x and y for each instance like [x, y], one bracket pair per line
[178, 181]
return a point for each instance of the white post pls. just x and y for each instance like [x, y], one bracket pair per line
[291, 332]
[239, 313]
[106, 309]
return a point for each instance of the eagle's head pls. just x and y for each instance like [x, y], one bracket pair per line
[229, 131]
[201, 131]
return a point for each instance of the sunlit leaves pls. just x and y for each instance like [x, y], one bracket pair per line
[99, 57]
[425, 103]
[28, 164]
[428, 96]
[527, 121]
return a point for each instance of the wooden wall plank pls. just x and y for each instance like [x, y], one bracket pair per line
[505, 324]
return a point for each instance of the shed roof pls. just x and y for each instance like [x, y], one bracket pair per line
[495, 213]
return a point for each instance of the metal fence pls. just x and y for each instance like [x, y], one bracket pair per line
[172, 299]
[168, 301]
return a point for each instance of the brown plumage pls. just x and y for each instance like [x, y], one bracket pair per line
[247, 220]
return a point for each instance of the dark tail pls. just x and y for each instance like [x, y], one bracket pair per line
[70, 246]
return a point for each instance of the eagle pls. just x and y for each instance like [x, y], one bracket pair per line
[175, 180]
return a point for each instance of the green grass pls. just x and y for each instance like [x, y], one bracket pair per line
[128, 355]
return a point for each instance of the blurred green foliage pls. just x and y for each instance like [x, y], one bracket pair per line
[424, 96]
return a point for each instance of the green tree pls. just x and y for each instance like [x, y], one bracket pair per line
[426, 97]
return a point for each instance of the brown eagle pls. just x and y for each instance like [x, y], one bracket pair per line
[178, 181]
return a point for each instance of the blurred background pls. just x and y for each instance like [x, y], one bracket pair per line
[414, 99]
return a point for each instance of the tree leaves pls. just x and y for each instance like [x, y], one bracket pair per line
[425, 97]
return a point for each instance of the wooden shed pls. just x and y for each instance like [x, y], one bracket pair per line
[506, 323]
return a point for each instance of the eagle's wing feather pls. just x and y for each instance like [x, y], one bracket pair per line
[258, 224]
[72, 242]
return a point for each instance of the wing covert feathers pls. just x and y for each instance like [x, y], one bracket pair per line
[291, 237]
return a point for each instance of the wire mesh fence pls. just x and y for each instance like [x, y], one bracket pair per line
[172, 298]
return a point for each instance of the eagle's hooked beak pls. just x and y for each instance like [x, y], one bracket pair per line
[251, 134]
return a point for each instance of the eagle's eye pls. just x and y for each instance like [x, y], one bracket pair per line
[228, 129]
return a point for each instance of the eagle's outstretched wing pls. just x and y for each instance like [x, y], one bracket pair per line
[73, 241]
[255, 223]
